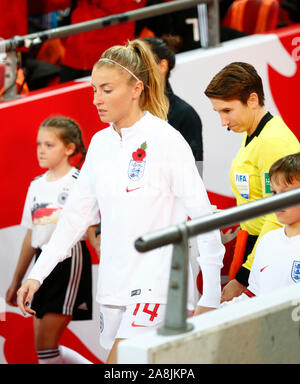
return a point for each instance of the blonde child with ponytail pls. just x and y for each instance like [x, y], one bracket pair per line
[141, 174]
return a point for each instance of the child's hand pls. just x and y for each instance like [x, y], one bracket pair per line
[94, 239]
[199, 310]
[231, 290]
[25, 295]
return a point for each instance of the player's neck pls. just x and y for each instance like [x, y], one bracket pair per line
[259, 114]
[129, 120]
[292, 229]
[58, 172]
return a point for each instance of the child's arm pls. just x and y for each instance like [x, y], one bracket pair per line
[26, 255]
[94, 238]
[253, 289]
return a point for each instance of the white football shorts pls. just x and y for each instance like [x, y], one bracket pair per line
[122, 322]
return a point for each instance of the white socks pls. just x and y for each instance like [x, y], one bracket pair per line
[71, 357]
[49, 356]
[61, 355]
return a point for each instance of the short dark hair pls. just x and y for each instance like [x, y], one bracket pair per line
[288, 166]
[236, 81]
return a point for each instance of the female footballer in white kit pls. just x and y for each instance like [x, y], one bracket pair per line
[141, 174]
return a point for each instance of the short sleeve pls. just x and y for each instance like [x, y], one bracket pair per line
[27, 217]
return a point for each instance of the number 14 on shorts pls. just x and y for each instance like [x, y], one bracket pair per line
[148, 314]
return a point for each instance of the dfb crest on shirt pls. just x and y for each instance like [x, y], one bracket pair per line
[62, 198]
[137, 163]
[295, 272]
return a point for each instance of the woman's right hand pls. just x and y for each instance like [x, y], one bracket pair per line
[25, 295]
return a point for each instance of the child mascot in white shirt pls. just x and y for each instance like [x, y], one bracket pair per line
[277, 258]
[66, 293]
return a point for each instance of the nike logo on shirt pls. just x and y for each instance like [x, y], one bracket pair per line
[137, 325]
[263, 268]
[134, 189]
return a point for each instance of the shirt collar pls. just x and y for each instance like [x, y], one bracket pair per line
[267, 117]
[137, 127]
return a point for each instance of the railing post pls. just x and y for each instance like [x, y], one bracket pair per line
[213, 23]
[176, 312]
[10, 76]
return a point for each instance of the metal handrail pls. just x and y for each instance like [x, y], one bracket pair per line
[221, 219]
[175, 321]
[10, 46]
[135, 15]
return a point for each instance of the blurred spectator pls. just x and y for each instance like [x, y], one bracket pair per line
[293, 8]
[15, 20]
[38, 71]
[252, 16]
[15, 23]
[84, 49]
[51, 61]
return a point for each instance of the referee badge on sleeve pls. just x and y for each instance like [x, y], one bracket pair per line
[267, 186]
[242, 184]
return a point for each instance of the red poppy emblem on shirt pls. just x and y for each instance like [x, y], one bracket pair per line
[140, 154]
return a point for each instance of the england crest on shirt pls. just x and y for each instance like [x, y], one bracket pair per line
[137, 163]
[295, 272]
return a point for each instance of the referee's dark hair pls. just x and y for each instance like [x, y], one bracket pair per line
[236, 81]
